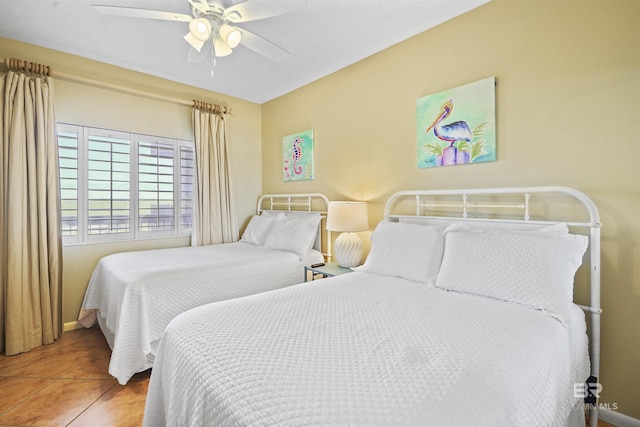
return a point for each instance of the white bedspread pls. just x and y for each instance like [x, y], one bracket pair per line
[363, 349]
[138, 293]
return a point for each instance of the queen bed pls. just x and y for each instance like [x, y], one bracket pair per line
[134, 295]
[452, 320]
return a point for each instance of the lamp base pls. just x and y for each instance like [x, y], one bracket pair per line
[348, 250]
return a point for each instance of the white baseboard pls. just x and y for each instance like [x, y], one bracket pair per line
[617, 419]
[70, 326]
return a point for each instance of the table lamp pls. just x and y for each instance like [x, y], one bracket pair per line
[347, 218]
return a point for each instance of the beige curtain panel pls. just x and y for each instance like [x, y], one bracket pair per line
[215, 217]
[31, 255]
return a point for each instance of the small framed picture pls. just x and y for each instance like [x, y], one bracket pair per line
[297, 156]
[457, 126]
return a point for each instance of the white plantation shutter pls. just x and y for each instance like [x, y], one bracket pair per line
[68, 158]
[186, 189]
[156, 186]
[108, 182]
[117, 185]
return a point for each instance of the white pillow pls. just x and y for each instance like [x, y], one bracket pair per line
[257, 229]
[560, 229]
[533, 269]
[410, 251]
[294, 233]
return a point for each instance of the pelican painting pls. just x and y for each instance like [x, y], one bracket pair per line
[457, 126]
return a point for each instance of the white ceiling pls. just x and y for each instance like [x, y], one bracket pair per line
[322, 37]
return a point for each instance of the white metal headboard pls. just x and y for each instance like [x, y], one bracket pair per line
[300, 203]
[488, 207]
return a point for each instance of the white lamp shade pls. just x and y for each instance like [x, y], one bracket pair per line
[199, 32]
[200, 28]
[230, 35]
[194, 42]
[221, 48]
[347, 216]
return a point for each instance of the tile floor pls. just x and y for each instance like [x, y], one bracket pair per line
[67, 384]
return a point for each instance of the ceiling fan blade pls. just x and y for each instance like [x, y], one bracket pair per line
[262, 46]
[142, 13]
[252, 10]
[200, 5]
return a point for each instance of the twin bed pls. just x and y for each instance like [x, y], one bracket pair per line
[134, 295]
[462, 314]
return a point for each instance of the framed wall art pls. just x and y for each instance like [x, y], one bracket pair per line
[297, 156]
[457, 126]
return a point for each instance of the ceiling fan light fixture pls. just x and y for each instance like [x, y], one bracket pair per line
[194, 42]
[221, 48]
[200, 28]
[230, 35]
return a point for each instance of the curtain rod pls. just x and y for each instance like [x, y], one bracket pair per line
[105, 85]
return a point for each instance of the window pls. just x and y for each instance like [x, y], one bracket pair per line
[117, 185]
[68, 158]
[108, 183]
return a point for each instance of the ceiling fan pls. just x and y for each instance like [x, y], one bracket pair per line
[213, 22]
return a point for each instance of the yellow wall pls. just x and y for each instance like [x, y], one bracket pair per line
[91, 106]
[568, 84]
[568, 113]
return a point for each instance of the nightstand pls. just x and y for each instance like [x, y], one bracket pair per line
[330, 269]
